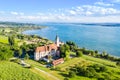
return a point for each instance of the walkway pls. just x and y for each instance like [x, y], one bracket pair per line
[55, 78]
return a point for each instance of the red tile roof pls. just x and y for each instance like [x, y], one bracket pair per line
[58, 61]
[46, 48]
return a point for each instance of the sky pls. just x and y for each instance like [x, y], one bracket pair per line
[82, 11]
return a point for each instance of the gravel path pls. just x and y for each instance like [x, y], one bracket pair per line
[55, 78]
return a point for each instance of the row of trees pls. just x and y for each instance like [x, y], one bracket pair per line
[69, 47]
[92, 71]
[5, 52]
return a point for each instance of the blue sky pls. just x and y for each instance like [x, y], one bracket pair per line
[60, 10]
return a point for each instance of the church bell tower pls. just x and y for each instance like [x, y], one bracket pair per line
[57, 41]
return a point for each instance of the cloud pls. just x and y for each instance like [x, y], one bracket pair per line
[103, 4]
[92, 10]
[16, 13]
[72, 12]
[21, 13]
[89, 13]
[98, 12]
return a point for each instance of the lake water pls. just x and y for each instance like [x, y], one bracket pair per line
[89, 36]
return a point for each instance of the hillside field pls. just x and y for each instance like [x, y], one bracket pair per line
[4, 39]
[13, 71]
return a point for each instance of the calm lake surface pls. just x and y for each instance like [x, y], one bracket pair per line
[94, 37]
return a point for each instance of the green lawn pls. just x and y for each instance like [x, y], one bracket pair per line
[6, 29]
[100, 61]
[113, 70]
[4, 39]
[40, 66]
[13, 71]
[72, 62]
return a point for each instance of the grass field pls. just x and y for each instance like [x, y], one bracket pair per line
[4, 39]
[13, 71]
[6, 29]
[113, 70]
[100, 61]
[52, 72]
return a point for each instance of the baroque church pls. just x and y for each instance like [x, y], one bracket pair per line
[46, 50]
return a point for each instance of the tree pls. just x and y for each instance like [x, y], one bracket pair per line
[103, 68]
[66, 78]
[79, 53]
[118, 63]
[27, 56]
[87, 73]
[19, 52]
[72, 45]
[64, 49]
[103, 54]
[11, 40]
[71, 74]
[96, 51]
[67, 55]
[92, 53]
[5, 52]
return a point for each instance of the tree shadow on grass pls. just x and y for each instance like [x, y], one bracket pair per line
[64, 74]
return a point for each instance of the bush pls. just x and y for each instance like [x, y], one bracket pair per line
[101, 78]
[92, 70]
[106, 76]
[103, 69]
[79, 53]
[118, 63]
[71, 74]
[96, 67]
[87, 73]
[96, 75]
[57, 68]
[66, 78]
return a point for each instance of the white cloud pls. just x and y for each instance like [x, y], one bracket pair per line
[40, 13]
[103, 4]
[83, 13]
[72, 12]
[62, 18]
[88, 13]
[21, 13]
[98, 10]
[14, 13]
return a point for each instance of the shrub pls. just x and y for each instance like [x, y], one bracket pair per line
[87, 73]
[71, 74]
[103, 69]
[92, 70]
[101, 78]
[79, 53]
[106, 76]
[96, 67]
[96, 75]
[118, 63]
[57, 68]
[66, 78]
